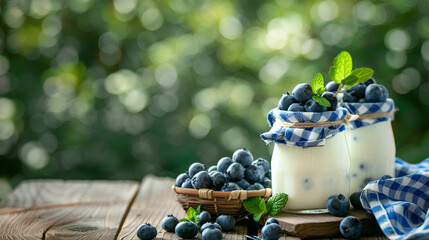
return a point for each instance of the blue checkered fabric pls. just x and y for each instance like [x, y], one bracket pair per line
[401, 204]
[366, 108]
[302, 137]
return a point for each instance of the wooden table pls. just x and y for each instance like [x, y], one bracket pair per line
[59, 209]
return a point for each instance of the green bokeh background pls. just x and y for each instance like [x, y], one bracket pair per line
[93, 89]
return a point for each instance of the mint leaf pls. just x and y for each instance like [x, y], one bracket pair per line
[191, 214]
[322, 101]
[342, 68]
[277, 203]
[318, 84]
[198, 210]
[257, 217]
[350, 80]
[362, 74]
[252, 205]
[262, 205]
[183, 219]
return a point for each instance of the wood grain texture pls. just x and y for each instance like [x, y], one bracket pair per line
[324, 225]
[56, 209]
[155, 200]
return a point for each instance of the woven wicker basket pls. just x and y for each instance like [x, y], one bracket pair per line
[217, 202]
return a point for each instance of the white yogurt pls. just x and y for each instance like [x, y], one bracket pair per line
[372, 153]
[311, 175]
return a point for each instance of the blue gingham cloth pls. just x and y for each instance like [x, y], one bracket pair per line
[303, 137]
[400, 204]
[367, 108]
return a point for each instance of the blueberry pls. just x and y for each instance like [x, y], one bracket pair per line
[266, 182]
[187, 183]
[362, 100]
[181, 178]
[333, 100]
[263, 163]
[338, 205]
[376, 93]
[213, 172]
[268, 174]
[243, 183]
[169, 223]
[254, 174]
[146, 232]
[348, 98]
[230, 186]
[201, 180]
[370, 81]
[254, 187]
[243, 156]
[186, 229]
[212, 168]
[196, 168]
[211, 233]
[235, 172]
[204, 217]
[307, 183]
[206, 225]
[271, 231]
[226, 222]
[332, 86]
[302, 92]
[355, 200]
[271, 220]
[365, 182]
[223, 164]
[286, 101]
[218, 179]
[357, 90]
[313, 106]
[385, 177]
[296, 107]
[350, 227]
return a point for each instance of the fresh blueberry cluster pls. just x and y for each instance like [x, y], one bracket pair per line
[188, 229]
[301, 100]
[240, 172]
[271, 230]
[368, 91]
[338, 205]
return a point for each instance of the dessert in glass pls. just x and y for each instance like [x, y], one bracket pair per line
[308, 163]
[371, 142]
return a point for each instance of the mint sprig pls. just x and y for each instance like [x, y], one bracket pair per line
[258, 207]
[318, 86]
[192, 215]
[342, 73]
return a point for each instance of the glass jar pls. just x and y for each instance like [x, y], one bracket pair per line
[309, 163]
[371, 143]
[311, 175]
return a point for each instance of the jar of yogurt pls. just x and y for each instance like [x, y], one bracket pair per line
[371, 142]
[310, 160]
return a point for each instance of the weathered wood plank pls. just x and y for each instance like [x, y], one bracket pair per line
[155, 200]
[55, 209]
[324, 225]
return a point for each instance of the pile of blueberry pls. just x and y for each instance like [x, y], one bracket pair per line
[301, 98]
[187, 229]
[338, 205]
[240, 172]
[368, 91]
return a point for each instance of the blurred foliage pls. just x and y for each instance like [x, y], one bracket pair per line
[95, 89]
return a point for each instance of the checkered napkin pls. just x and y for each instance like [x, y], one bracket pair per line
[367, 108]
[302, 137]
[401, 204]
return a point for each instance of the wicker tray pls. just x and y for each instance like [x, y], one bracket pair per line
[217, 202]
